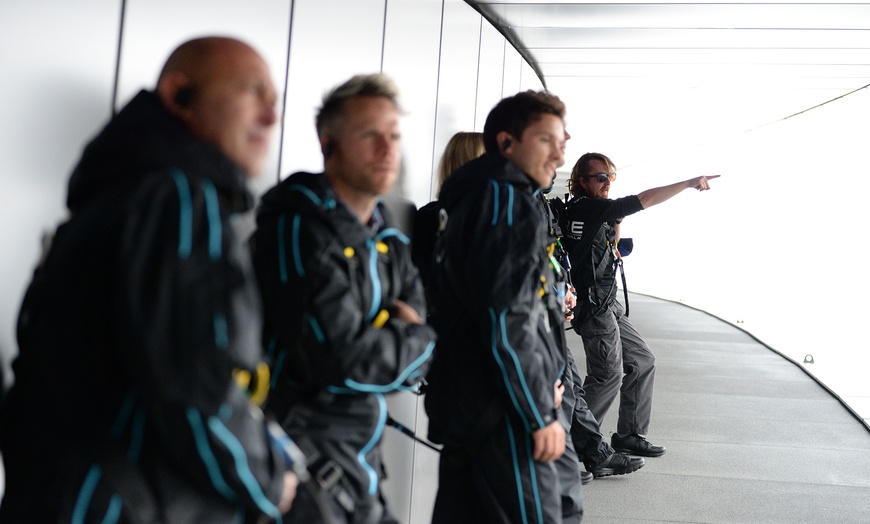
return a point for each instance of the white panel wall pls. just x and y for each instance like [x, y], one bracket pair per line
[512, 71]
[55, 94]
[331, 41]
[412, 46]
[153, 28]
[528, 78]
[451, 67]
[491, 73]
[457, 78]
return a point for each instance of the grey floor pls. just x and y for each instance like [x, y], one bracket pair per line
[750, 437]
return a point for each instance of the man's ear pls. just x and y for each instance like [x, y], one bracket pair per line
[327, 146]
[504, 141]
[176, 92]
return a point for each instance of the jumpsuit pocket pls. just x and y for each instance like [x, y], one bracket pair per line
[602, 323]
[601, 342]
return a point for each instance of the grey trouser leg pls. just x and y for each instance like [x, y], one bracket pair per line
[583, 430]
[568, 469]
[614, 347]
[636, 394]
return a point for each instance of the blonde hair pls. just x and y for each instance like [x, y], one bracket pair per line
[461, 149]
[332, 110]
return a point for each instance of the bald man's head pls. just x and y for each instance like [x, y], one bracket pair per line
[222, 90]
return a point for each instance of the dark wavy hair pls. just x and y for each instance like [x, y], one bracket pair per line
[581, 169]
[515, 113]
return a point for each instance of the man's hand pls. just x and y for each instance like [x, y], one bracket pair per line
[403, 311]
[570, 304]
[288, 493]
[702, 183]
[549, 442]
[558, 391]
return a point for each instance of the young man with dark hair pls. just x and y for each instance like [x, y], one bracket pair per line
[613, 347]
[343, 302]
[494, 384]
[124, 407]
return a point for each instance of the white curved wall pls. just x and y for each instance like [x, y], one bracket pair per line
[59, 64]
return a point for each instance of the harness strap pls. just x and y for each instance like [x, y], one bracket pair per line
[410, 433]
[624, 285]
[326, 473]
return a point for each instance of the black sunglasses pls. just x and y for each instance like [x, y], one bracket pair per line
[603, 177]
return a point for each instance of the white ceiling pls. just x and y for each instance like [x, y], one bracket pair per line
[645, 77]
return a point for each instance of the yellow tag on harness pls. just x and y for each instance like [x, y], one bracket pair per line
[255, 385]
[543, 288]
[381, 318]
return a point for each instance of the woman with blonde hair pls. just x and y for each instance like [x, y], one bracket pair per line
[463, 147]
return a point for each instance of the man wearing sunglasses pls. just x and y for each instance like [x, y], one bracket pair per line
[591, 232]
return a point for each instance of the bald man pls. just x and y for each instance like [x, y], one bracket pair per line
[124, 407]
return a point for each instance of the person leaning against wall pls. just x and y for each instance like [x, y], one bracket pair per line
[492, 394]
[591, 233]
[124, 408]
[343, 301]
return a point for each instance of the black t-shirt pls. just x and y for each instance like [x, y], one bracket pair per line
[588, 226]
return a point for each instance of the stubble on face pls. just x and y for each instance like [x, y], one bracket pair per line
[367, 152]
[593, 186]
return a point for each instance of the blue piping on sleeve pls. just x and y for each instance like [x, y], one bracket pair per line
[185, 218]
[533, 479]
[495, 202]
[113, 513]
[242, 470]
[376, 437]
[86, 493]
[215, 228]
[373, 267]
[297, 252]
[376, 280]
[510, 211]
[205, 454]
[395, 384]
[315, 328]
[516, 361]
[504, 373]
[221, 336]
[518, 478]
